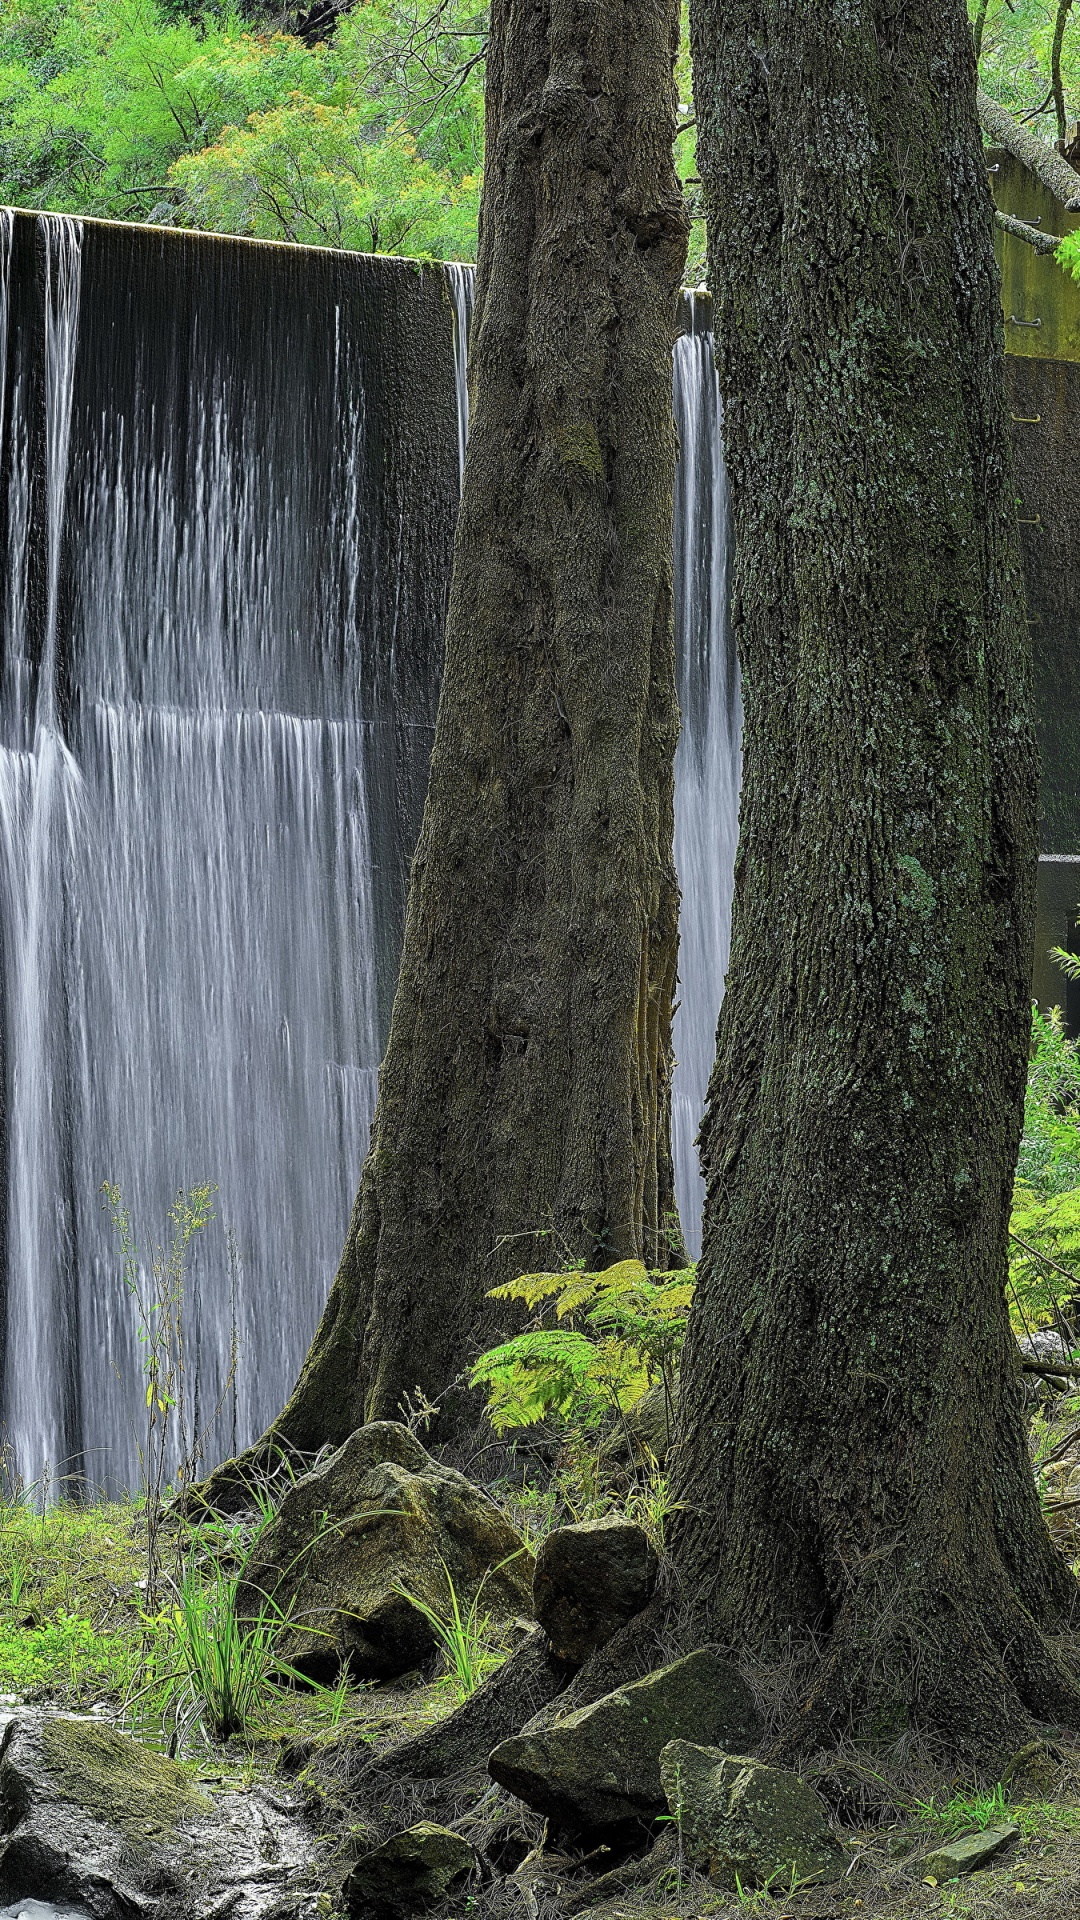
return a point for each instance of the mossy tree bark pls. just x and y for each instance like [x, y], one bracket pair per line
[852, 1466]
[523, 1101]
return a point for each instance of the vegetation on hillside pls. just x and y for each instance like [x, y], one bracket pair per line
[365, 131]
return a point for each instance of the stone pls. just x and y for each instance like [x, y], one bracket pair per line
[590, 1579]
[408, 1872]
[737, 1816]
[969, 1853]
[94, 1822]
[598, 1767]
[377, 1516]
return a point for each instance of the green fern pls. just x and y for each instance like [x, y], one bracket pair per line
[626, 1329]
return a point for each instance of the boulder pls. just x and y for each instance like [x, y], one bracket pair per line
[739, 1817]
[408, 1872]
[94, 1821]
[598, 1768]
[969, 1853]
[377, 1516]
[590, 1580]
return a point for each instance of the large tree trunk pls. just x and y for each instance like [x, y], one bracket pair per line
[852, 1468]
[523, 1101]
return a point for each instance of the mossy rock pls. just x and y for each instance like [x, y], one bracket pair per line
[120, 1781]
[598, 1768]
[93, 1819]
[747, 1824]
[376, 1522]
[409, 1872]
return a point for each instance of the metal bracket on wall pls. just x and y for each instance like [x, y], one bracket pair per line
[1025, 419]
[1014, 322]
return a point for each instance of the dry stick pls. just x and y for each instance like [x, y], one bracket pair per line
[1055, 1369]
[1036, 1254]
[1049, 166]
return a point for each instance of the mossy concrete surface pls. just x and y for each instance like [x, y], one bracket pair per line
[1040, 302]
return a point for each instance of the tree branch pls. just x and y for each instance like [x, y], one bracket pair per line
[1042, 242]
[1044, 162]
[1055, 66]
[978, 28]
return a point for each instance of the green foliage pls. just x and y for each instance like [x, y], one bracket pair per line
[69, 1601]
[1016, 55]
[963, 1813]
[1045, 1242]
[210, 1665]
[462, 1634]
[624, 1328]
[132, 110]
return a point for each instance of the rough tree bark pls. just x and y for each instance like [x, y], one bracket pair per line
[523, 1100]
[852, 1467]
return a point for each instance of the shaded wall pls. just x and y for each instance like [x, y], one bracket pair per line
[1041, 312]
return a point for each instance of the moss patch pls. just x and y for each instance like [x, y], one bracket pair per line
[119, 1781]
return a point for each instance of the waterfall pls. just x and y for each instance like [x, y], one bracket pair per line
[462, 283]
[229, 475]
[222, 631]
[707, 763]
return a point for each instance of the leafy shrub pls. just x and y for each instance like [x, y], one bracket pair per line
[616, 1333]
[1045, 1236]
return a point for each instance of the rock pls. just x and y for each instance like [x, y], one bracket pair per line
[590, 1580]
[527, 1681]
[379, 1512]
[739, 1817]
[89, 1817]
[1045, 1343]
[599, 1767]
[968, 1854]
[409, 1872]
[92, 1820]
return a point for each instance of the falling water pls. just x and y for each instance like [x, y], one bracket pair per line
[42, 821]
[228, 481]
[707, 765]
[462, 284]
[244, 545]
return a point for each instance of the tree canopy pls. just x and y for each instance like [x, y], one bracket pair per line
[365, 131]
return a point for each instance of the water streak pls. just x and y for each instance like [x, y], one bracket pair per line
[203, 607]
[708, 762]
[461, 281]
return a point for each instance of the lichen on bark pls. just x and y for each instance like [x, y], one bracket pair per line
[851, 1485]
[523, 1101]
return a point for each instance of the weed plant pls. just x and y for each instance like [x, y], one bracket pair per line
[461, 1633]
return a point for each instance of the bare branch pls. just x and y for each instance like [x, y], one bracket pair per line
[1064, 7]
[1043, 161]
[978, 27]
[1042, 242]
